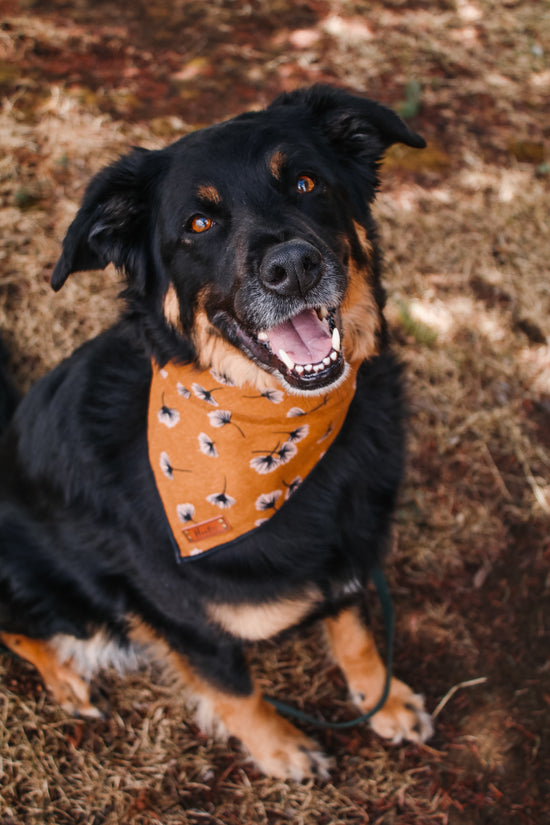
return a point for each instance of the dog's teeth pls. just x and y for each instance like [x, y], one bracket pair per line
[286, 359]
[333, 355]
[262, 336]
[308, 367]
[323, 313]
[336, 339]
[326, 361]
[299, 369]
[317, 367]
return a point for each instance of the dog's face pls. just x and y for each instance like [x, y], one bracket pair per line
[246, 241]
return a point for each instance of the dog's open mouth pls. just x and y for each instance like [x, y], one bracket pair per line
[305, 349]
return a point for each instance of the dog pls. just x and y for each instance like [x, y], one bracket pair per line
[252, 295]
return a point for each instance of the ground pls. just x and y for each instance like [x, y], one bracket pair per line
[465, 226]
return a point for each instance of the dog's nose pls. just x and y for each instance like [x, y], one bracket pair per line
[291, 268]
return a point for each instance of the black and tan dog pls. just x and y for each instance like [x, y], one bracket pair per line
[253, 329]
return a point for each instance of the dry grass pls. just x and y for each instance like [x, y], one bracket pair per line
[465, 226]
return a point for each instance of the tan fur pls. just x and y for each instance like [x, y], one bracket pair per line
[352, 644]
[65, 685]
[276, 163]
[217, 354]
[278, 748]
[360, 314]
[256, 622]
[209, 193]
[171, 307]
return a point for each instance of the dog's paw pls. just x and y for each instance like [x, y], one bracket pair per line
[73, 694]
[403, 716]
[290, 755]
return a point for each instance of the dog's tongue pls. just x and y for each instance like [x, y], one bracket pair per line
[304, 338]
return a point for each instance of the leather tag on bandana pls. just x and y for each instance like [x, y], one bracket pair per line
[206, 529]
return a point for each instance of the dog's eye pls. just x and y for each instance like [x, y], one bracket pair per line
[305, 184]
[200, 223]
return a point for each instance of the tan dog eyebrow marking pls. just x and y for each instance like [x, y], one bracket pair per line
[276, 163]
[208, 192]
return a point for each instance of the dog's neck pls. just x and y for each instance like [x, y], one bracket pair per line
[226, 458]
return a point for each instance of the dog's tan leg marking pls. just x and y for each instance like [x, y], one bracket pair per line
[277, 746]
[403, 715]
[279, 749]
[65, 685]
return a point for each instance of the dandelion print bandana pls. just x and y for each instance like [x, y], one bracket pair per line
[226, 458]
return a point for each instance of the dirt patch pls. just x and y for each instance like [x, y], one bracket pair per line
[466, 230]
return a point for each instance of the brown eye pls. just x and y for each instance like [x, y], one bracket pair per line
[305, 184]
[200, 223]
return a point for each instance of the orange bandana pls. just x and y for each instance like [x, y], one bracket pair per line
[226, 458]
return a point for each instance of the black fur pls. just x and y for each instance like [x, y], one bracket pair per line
[9, 396]
[83, 540]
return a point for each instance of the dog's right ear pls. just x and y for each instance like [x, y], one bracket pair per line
[111, 226]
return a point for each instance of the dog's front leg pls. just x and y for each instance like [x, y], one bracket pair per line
[219, 680]
[403, 715]
[279, 749]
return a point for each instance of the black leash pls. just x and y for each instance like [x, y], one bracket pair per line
[381, 585]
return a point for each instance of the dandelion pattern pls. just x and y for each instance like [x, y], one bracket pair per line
[268, 501]
[167, 468]
[292, 487]
[294, 436]
[204, 395]
[221, 500]
[209, 456]
[168, 415]
[326, 434]
[265, 463]
[220, 418]
[186, 512]
[275, 396]
[207, 446]
[270, 460]
[287, 451]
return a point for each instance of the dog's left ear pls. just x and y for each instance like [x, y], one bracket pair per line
[354, 125]
[111, 226]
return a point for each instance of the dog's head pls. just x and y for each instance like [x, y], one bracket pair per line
[249, 245]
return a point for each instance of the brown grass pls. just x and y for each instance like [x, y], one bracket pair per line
[465, 226]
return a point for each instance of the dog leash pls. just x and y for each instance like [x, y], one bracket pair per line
[386, 604]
